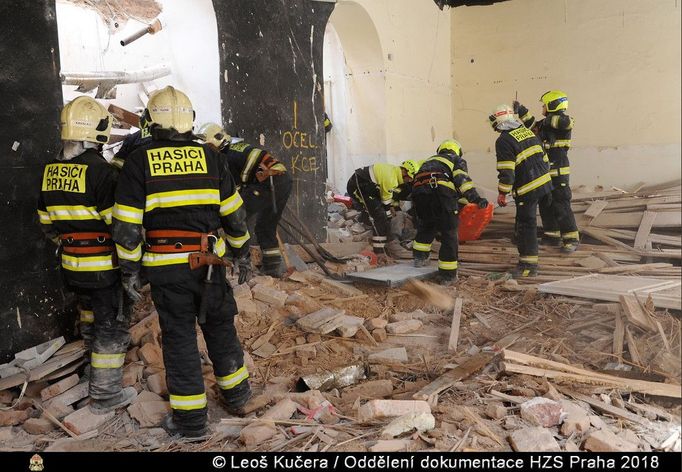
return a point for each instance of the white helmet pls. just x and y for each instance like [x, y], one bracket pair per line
[501, 114]
[214, 134]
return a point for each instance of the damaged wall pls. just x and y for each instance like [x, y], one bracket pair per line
[412, 77]
[271, 89]
[32, 302]
[618, 60]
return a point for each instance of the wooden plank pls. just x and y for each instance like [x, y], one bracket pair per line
[650, 388]
[577, 373]
[592, 263]
[595, 210]
[608, 260]
[635, 314]
[633, 268]
[605, 408]
[632, 347]
[124, 115]
[618, 337]
[42, 370]
[648, 219]
[454, 329]
[445, 381]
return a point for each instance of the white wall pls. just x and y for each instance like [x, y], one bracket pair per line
[618, 60]
[188, 43]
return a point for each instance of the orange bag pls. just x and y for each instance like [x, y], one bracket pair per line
[473, 220]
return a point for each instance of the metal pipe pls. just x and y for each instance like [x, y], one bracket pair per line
[152, 28]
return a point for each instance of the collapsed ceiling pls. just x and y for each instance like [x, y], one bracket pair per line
[459, 3]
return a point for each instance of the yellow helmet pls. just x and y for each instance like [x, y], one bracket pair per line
[450, 145]
[85, 119]
[214, 134]
[411, 166]
[501, 114]
[170, 109]
[554, 100]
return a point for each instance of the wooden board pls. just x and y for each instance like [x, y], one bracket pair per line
[42, 370]
[611, 287]
[635, 314]
[605, 408]
[454, 329]
[595, 210]
[473, 365]
[394, 275]
[618, 337]
[648, 219]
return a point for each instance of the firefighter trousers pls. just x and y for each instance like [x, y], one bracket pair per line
[526, 230]
[437, 214]
[106, 336]
[258, 203]
[557, 216]
[178, 306]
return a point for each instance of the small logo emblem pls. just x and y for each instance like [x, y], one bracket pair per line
[36, 463]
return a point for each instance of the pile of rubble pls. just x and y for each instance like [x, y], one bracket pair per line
[336, 367]
[343, 225]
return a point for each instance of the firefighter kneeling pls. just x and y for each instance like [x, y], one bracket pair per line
[182, 210]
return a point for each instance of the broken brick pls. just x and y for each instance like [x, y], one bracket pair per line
[377, 409]
[393, 355]
[536, 439]
[132, 355]
[38, 426]
[379, 335]
[371, 389]
[149, 413]
[132, 373]
[72, 395]
[58, 409]
[83, 421]
[605, 441]
[59, 387]
[269, 295]
[541, 411]
[496, 411]
[375, 323]
[151, 355]
[404, 327]
[157, 383]
[13, 417]
[6, 396]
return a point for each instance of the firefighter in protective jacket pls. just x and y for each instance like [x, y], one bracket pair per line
[75, 210]
[558, 221]
[523, 171]
[373, 190]
[182, 195]
[265, 186]
[440, 182]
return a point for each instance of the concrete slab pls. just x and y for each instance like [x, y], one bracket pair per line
[394, 275]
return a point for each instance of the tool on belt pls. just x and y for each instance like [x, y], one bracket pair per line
[202, 249]
[267, 167]
[86, 244]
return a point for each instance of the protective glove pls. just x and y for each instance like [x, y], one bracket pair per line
[132, 284]
[483, 203]
[245, 269]
[502, 200]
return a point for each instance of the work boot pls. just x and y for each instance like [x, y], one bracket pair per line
[447, 278]
[421, 259]
[174, 429]
[273, 268]
[569, 246]
[525, 270]
[121, 399]
[397, 251]
[238, 398]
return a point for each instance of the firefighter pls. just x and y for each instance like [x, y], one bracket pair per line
[265, 186]
[139, 138]
[75, 210]
[438, 185]
[523, 171]
[558, 221]
[372, 190]
[181, 194]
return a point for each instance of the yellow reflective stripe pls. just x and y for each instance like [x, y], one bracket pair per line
[554, 121]
[463, 201]
[526, 153]
[201, 196]
[188, 402]
[251, 161]
[559, 143]
[44, 217]
[443, 160]
[230, 381]
[565, 170]
[554, 173]
[571, 235]
[87, 316]
[87, 263]
[220, 247]
[153, 259]
[466, 186]
[107, 361]
[553, 234]
[458, 171]
[447, 184]
[529, 259]
[272, 252]
[447, 265]
[128, 214]
[539, 182]
[127, 255]
[117, 162]
[511, 165]
[230, 204]
[73, 212]
[422, 247]
[504, 188]
[107, 214]
[237, 241]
